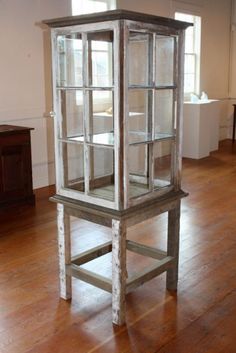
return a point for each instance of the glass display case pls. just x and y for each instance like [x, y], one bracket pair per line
[117, 82]
[117, 103]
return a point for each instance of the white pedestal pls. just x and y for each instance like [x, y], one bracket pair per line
[200, 128]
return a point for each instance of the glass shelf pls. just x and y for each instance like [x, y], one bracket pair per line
[107, 115]
[155, 87]
[107, 138]
[87, 88]
[137, 138]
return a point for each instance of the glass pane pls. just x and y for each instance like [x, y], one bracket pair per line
[138, 170]
[140, 114]
[140, 66]
[189, 83]
[72, 114]
[74, 166]
[101, 172]
[162, 163]
[189, 63]
[164, 60]
[163, 113]
[189, 40]
[101, 125]
[100, 59]
[69, 60]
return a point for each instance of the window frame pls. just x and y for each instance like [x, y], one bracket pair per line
[195, 53]
[78, 7]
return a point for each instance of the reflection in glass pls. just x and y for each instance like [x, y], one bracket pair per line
[138, 170]
[139, 115]
[163, 113]
[164, 61]
[101, 113]
[162, 163]
[101, 172]
[74, 167]
[140, 65]
[100, 59]
[72, 113]
[69, 60]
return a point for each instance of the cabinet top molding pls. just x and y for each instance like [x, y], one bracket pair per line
[11, 129]
[116, 15]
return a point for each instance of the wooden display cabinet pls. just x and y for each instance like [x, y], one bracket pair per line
[15, 166]
[118, 84]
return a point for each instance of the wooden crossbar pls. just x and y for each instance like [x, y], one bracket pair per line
[145, 250]
[164, 263]
[149, 273]
[92, 254]
[90, 277]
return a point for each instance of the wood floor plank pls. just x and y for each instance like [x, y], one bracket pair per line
[200, 318]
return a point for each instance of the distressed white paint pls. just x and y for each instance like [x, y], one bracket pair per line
[118, 271]
[64, 250]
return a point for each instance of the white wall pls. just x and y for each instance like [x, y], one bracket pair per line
[25, 92]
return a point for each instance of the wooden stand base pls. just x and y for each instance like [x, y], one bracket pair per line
[119, 285]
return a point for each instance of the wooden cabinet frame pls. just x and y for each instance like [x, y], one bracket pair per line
[124, 209]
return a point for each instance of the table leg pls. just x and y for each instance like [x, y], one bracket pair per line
[173, 246]
[64, 249]
[118, 271]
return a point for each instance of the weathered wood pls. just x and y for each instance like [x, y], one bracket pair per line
[73, 195]
[91, 217]
[86, 114]
[132, 216]
[179, 112]
[90, 277]
[121, 151]
[118, 271]
[57, 111]
[150, 212]
[64, 251]
[64, 150]
[173, 246]
[149, 273]
[124, 202]
[116, 15]
[118, 115]
[145, 250]
[89, 110]
[92, 254]
[150, 127]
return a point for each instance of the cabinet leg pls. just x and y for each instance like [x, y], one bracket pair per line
[64, 249]
[173, 246]
[118, 271]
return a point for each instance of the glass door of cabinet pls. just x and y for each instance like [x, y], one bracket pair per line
[151, 111]
[85, 94]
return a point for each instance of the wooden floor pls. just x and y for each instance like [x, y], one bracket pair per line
[200, 319]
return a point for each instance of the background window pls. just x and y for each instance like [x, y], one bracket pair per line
[192, 53]
[80, 7]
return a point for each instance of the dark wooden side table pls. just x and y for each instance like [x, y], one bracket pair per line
[234, 122]
[15, 166]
